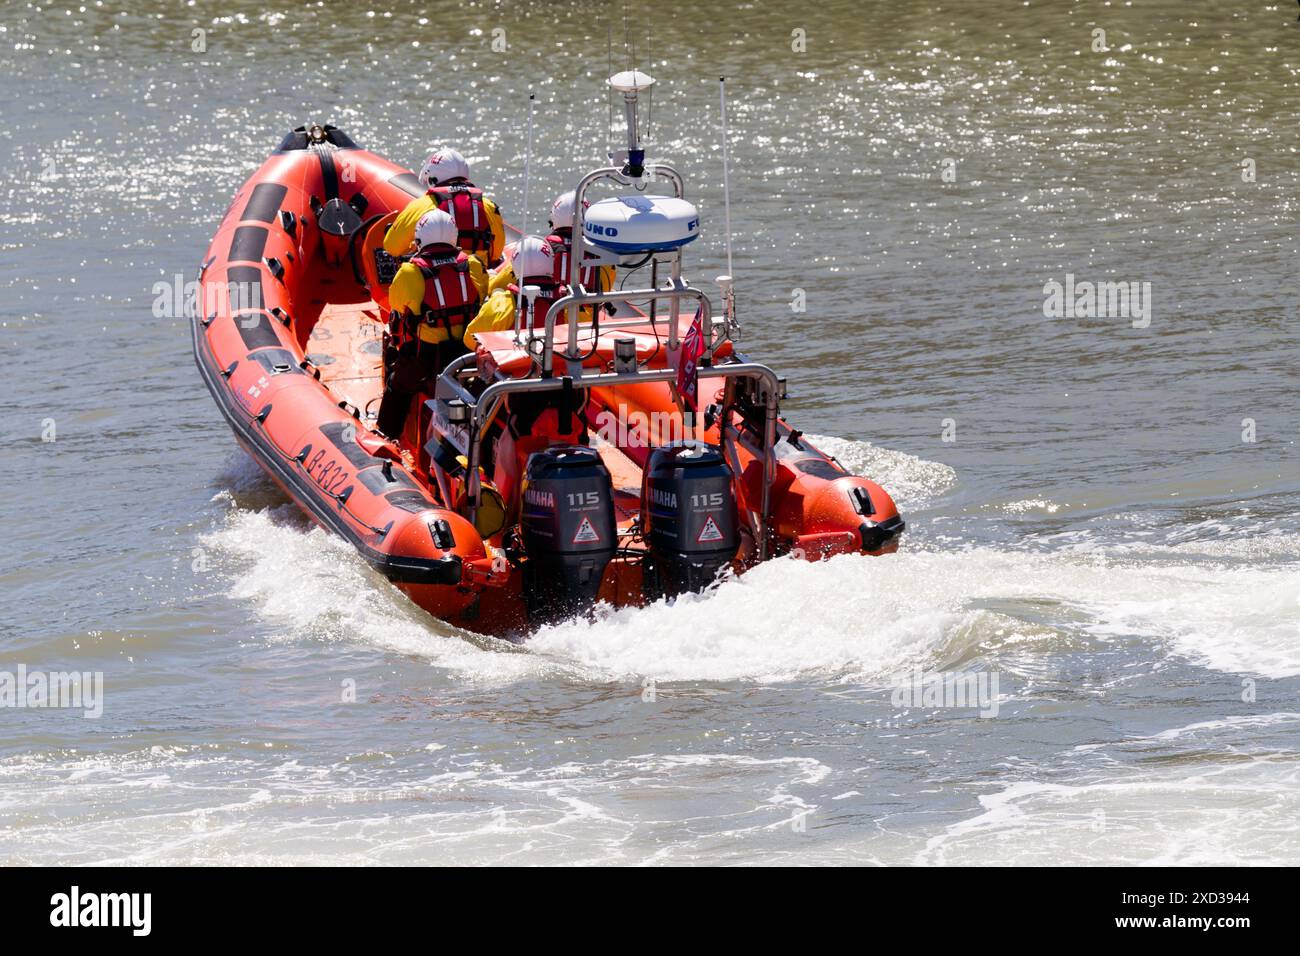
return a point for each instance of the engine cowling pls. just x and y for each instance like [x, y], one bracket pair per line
[688, 515]
[568, 530]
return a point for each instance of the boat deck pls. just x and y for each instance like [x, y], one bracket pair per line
[347, 346]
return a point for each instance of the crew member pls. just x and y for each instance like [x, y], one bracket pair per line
[445, 174]
[534, 259]
[560, 240]
[532, 421]
[433, 297]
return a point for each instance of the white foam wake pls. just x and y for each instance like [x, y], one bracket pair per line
[911, 481]
[859, 618]
[853, 618]
[307, 584]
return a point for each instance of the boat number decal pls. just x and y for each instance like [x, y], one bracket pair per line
[330, 475]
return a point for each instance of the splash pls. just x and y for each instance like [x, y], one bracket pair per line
[307, 584]
[912, 482]
[863, 619]
[854, 618]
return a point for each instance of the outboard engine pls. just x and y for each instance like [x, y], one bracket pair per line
[688, 509]
[568, 529]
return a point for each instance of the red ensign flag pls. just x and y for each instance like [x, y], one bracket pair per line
[688, 367]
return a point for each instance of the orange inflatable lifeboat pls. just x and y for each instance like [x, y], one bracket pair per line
[551, 468]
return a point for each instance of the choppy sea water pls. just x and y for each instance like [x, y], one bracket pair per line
[1096, 532]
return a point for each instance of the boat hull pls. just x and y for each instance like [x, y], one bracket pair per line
[289, 339]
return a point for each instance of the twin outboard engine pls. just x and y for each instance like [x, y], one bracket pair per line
[688, 512]
[568, 529]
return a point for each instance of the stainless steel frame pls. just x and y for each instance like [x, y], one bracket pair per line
[483, 408]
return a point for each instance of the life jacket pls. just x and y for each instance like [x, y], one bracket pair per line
[450, 297]
[541, 303]
[464, 203]
[561, 250]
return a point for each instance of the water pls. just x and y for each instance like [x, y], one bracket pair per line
[1098, 534]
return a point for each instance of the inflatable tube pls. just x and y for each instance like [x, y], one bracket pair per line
[255, 313]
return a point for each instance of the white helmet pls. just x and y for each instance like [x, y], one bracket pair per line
[533, 259]
[434, 227]
[443, 165]
[562, 210]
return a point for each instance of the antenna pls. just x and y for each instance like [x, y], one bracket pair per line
[650, 55]
[528, 175]
[726, 176]
[528, 160]
[609, 96]
[631, 83]
[627, 40]
[725, 282]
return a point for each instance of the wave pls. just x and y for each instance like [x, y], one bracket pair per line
[1220, 794]
[911, 481]
[852, 618]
